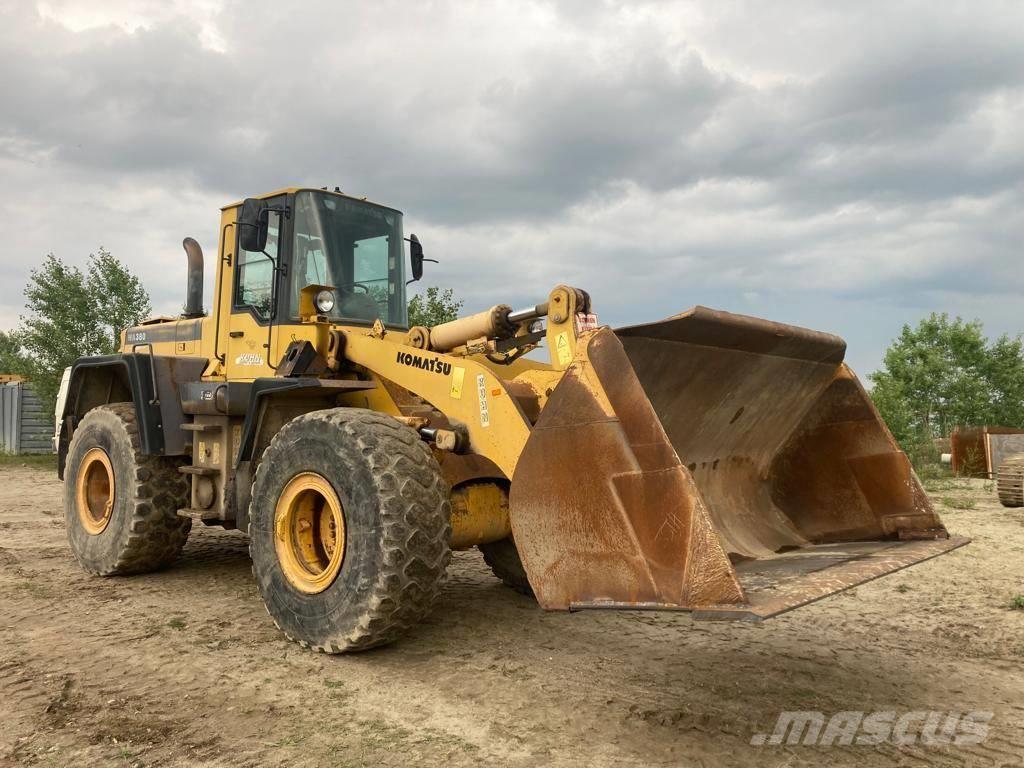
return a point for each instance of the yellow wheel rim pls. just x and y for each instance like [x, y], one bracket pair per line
[94, 491]
[309, 533]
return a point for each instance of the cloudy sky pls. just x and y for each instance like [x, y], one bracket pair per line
[844, 166]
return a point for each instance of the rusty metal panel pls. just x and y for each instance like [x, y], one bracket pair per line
[1002, 446]
[601, 507]
[782, 441]
[841, 476]
[971, 449]
[794, 579]
[672, 450]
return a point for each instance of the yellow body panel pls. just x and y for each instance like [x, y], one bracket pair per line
[497, 427]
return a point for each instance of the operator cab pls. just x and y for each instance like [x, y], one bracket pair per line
[315, 237]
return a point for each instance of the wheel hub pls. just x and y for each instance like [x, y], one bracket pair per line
[309, 532]
[94, 491]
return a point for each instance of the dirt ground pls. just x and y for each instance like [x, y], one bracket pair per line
[185, 668]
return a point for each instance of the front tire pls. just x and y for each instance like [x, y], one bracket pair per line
[120, 505]
[349, 529]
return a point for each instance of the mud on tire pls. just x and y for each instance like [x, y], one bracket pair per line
[397, 524]
[503, 559]
[143, 532]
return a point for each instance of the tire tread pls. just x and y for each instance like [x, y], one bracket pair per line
[156, 533]
[415, 524]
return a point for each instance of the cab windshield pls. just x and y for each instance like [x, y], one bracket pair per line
[354, 247]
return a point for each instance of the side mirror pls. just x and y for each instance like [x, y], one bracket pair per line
[254, 224]
[416, 257]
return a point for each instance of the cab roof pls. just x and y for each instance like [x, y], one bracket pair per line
[292, 190]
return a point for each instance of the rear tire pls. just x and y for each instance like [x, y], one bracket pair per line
[1010, 481]
[503, 559]
[120, 505]
[349, 529]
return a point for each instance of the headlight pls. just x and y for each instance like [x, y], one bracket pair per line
[325, 301]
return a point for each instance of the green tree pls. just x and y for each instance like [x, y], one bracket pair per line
[71, 313]
[1005, 375]
[943, 373]
[11, 359]
[894, 406]
[117, 293]
[434, 308]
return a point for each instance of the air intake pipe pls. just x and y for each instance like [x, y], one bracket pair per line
[194, 289]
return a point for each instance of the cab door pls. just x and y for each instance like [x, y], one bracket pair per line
[254, 300]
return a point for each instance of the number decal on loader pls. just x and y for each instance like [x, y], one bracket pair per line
[481, 390]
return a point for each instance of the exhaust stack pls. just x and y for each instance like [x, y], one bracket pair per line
[194, 289]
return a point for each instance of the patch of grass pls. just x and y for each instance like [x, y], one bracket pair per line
[949, 483]
[955, 503]
[287, 741]
[1016, 603]
[902, 588]
[930, 470]
[177, 622]
[334, 684]
[34, 588]
[47, 461]
[380, 733]
[445, 740]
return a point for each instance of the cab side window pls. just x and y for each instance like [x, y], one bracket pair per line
[371, 270]
[255, 276]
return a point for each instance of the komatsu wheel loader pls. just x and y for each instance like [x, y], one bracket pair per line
[711, 462]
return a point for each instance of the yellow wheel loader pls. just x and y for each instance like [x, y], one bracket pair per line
[711, 462]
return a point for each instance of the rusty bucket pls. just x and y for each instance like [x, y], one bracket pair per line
[717, 463]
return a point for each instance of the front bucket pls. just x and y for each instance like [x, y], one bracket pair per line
[716, 463]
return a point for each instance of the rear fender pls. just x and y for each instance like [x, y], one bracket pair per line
[150, 382]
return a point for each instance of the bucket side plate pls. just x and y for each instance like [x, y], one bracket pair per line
[602, 510]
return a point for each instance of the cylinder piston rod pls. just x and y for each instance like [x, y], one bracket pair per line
[528, 313]
[498, 322]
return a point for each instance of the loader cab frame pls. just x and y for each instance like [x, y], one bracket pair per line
[318, 237]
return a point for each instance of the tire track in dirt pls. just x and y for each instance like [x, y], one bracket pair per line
[184, 667]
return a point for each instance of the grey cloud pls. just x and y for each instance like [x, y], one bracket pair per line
[560, 127]
[650, 149]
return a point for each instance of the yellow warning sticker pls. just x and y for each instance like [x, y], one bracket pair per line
[458, 374]
[563, 349]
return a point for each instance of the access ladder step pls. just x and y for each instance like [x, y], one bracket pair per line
[193, 427]
[203, 515]
[194, 470]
